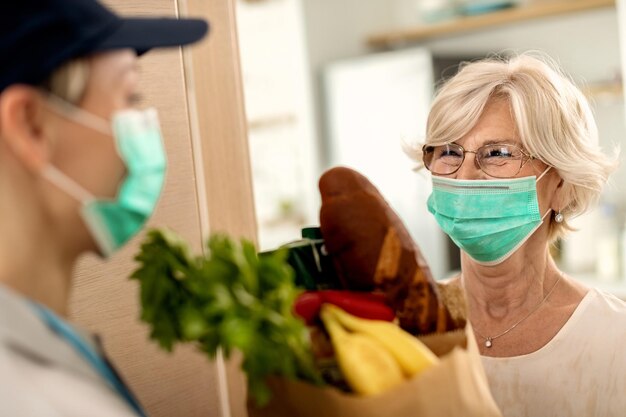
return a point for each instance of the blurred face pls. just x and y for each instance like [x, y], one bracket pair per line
[86, 155]
[37, 133]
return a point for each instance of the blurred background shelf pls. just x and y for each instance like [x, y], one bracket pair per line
[605, 90]
[272, 121]
[536, 10]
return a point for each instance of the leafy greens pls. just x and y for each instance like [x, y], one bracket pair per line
[232, 298]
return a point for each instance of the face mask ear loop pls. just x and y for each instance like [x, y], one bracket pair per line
[540, 177]
[69, 110]
[543, 173]
[64, 183]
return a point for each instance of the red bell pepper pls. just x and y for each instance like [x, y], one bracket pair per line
[307, 306]
[361, 304]
[372, 296]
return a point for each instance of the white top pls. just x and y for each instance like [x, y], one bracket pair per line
[41, 375]
[580, 372]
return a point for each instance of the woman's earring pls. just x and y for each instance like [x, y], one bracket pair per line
[558, 217]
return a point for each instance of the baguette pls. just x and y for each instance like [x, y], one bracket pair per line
[372, 251]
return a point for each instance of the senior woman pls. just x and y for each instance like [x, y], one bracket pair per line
[80, 171]
[513, 151]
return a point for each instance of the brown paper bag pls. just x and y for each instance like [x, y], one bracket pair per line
[457, 386]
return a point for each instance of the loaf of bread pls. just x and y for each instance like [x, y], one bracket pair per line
[372, 250]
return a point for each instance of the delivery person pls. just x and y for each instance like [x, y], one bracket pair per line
[80, 170]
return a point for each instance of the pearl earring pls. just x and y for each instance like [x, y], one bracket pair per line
[558, 217]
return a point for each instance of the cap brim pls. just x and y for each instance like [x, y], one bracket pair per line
[143, 34]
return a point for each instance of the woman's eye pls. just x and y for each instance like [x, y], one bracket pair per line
[498, 153]
[448, 152]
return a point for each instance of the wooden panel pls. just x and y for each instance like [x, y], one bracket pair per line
[221, 143]
[534, 10]
[221, 131]
[185, 383]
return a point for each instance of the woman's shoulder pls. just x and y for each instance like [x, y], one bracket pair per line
[601, 302]
[596, 332]
[599, 320]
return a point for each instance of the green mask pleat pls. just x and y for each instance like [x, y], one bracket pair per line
[110, 226]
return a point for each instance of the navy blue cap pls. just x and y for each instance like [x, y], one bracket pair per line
[37, 36]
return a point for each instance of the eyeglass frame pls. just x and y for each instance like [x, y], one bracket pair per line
[527, 157]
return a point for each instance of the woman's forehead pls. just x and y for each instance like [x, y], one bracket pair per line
[495, 125]
[476, 141]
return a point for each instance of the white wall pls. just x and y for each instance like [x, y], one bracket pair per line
[336, 29]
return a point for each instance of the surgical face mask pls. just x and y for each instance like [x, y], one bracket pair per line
[138, 141]
[487, 219]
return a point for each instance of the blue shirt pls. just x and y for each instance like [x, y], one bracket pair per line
[88, 353]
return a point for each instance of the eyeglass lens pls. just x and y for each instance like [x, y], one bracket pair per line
[496, 160]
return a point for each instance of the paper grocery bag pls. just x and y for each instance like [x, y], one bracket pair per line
[457, 386]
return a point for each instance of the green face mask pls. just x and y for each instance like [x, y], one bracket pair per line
[487, 219]
[138, 138]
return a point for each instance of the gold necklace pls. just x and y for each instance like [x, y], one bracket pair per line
[489, 339]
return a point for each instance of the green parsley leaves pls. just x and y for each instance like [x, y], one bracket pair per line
[232, 298]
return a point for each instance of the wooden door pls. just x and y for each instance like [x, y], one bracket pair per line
[199, 98]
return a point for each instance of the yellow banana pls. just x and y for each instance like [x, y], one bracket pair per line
[367, 366]
[411, 354]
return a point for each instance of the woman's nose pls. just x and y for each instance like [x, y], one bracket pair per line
[469, 169]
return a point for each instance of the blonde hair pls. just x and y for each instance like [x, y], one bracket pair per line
[552, 116]
[69, 81]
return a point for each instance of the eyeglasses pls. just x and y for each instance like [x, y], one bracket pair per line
[495, 160]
